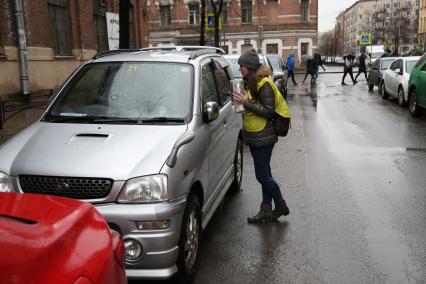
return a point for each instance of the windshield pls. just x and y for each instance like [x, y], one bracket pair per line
[410, 65]
[275, 62]
[127, 91]
[387, 63]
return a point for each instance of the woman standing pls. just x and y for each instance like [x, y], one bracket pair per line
[259, 132]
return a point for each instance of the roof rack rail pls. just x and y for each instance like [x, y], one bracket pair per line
[186, 48]
[114, 51]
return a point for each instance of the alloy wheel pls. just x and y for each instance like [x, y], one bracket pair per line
[192, 240]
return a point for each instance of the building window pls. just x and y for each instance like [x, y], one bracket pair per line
[165, 14]
[224, 14]
[272, 48]
[99, 25]
[246, 11]
[304, 11]
[59, 26]
[194, 14]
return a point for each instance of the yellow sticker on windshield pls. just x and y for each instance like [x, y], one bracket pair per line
[133, 68]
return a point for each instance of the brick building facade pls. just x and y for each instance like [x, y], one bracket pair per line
[274, 26]
[60, 36]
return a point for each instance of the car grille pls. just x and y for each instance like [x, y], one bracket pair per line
[72, 187]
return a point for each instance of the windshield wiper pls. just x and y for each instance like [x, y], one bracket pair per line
[162, 119]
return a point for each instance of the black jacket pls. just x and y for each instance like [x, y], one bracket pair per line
[264, 106]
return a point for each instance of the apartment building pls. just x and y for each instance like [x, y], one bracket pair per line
[59, 36]
[392, 23]
[274, 26]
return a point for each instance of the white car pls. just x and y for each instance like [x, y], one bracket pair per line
[395, 79]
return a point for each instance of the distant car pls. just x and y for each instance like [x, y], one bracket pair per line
[417, 88]
[376, 71]
[395, 79]
[50, 239]
[339, 60]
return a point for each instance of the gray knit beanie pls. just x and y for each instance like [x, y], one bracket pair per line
[249, 59]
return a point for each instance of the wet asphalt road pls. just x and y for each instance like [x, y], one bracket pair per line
[353, 172]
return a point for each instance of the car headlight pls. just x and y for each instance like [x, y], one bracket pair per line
[145, 189]
[5, 183]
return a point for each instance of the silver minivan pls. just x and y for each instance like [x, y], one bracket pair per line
[150, 138]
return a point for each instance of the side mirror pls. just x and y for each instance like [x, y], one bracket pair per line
[398, 71]
[211, 111]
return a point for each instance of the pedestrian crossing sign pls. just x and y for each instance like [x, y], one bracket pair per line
[210, 22]
[365, 39]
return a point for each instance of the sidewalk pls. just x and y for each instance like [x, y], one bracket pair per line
[19, 122]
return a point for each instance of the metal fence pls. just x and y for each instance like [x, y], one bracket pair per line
[11, 107]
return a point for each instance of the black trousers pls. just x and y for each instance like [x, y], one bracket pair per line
[348, 71]
[291, 74]
[362, 71]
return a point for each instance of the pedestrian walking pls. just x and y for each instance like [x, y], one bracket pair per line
[259, 132]
[290, 68]
[348, 64]
[317, 65]
[310, 69]
[362, 68]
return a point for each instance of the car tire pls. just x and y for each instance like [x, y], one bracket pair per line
[401, 99]
[238, 167]
[189, 241]
[383, 91]
[415, 110]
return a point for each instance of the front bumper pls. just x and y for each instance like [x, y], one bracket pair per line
[160, 247]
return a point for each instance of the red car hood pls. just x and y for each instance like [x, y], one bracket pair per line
[47, 239]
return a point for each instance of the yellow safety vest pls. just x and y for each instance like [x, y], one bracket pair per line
[255, 123]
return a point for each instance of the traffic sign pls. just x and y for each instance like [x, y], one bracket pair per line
[210, 22]
[365, 39]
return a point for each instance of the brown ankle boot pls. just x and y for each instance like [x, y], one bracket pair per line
[264, 214]
[280, 210]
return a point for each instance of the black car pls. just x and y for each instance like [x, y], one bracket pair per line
[376, 71]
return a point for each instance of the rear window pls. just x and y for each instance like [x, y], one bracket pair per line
[138, 90]
[386, 63]
[420, 61]
[410, 66]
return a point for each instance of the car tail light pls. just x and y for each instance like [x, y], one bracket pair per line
[118, 247]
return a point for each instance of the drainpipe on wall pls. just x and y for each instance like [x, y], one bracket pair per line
[23, 52]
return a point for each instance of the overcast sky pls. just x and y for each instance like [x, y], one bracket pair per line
[328, 11]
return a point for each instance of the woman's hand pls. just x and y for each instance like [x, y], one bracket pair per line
[239, 98]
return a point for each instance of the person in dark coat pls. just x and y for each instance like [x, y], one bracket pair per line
[362, 68]
[310, 70]
[348, 64]
[318, 64]
[259, 133]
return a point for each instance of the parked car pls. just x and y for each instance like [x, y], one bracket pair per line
[151, 139]
[376, 72]
[417, 88]
[395, 79]
[278, 66]
[279, 77]
[233, 63]
[49, 239]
